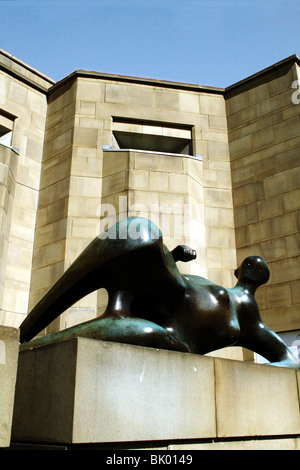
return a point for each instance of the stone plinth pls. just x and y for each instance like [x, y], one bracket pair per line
[9, 348]
[89, 391]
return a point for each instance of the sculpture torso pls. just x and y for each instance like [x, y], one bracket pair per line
[205, 315]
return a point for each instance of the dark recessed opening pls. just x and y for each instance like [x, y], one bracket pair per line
[152, 136]
[155, 143]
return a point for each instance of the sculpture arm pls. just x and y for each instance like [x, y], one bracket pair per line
[268, 344]
[183, 253]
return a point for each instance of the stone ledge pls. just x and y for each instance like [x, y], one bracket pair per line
[86, 391]
[265, 443]
[106, 148]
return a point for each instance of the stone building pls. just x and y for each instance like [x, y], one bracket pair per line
[217, 169]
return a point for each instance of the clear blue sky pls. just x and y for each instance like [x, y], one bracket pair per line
[206, 42]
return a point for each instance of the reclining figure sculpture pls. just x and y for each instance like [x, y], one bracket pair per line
[152, 304]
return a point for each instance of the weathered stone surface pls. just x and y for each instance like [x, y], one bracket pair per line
[89, 391]
[9, 349]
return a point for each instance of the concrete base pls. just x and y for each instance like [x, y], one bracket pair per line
[84, 391]
[9, 349]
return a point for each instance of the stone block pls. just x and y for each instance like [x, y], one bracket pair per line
[293, 244]
[85, 228]
[259, 232]
[275, 249]
[113, 162]
[255, 400]
[89, 391]
[213, 105]
[189, 102]
[146, 162]
[46, 276]
[220, 237]
[229, 258]
[282, 225]
[278, 84]
[195, 190]
[269, 105]
[138, 179]
[218, 197]
[265, 168]
[296, 291]
[89, 90]
[54, 192]
[217, 122]
[286, 270]
[85, 166]
[15, 300]
[226, 217]
[60, 143]
[269, 207]
[88, 108]
[159, 181]
[278, 318]
[146, 199]
[52, 213]
[85, 137]
[167, 100]
[242, 176]
[279, 295]
[114, 184]
[51, 233]
[215, 136]
[273, 118]
[200, 147]
[17, 93]
[55, 172]
[277, 184]
[252, 213]
[115, 93]
[85, 186]
[236, 103]
[170, 164]
[171, 200]
[258, 93]
[178, 183]
[295, 178]
[48, 254]
[214, 258]
[140, 96]
[262, 139]
[288, 159]
[193, 168]
[240, 147]
[254, 191]
[287, 129]
[9, 350]
[291, 201]
[85, 390]
[218, 150]
[242, 236]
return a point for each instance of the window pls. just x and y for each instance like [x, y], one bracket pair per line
[6, 128]
[151, 136]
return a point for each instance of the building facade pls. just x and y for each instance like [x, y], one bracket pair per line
[217, 169]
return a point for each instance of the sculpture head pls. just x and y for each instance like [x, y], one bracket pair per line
[253, 270]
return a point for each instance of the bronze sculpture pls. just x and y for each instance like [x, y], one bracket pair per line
[152, 304]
